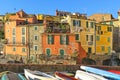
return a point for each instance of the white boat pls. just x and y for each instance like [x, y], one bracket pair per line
[94, 75]
[37, 75]
[81, 75]
[101, 72]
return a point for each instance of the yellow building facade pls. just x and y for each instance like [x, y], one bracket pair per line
[104, 39]
[85, 30]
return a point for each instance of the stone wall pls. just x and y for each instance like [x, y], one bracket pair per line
[48, 68]
[45, 68]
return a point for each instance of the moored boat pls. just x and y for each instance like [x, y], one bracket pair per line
[114, 71]
[81, 75]
[12, 76]
[91, 74]
[101, 72]
[37, 75]
[62, 76]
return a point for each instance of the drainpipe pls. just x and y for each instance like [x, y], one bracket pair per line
[95, 39]
[28, 56]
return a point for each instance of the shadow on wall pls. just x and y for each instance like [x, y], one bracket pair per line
[112, 62]
[88, 61]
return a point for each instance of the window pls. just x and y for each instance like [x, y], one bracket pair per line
[13, 31]
[50, 39]
[99, 27]
[89, 50]
[108, 39]
[102, 48]
[36, 47]
[109, 29]
[111, 23]
[35, 37]
[76, 36]
[23, 31]
[109, 50]
[23, 40]
[48, 52]
[91, 37]
[86, 37]
[35, 27]
[104, 22]
[14, 40]
[77, 23]
[23, 50]
[61, 53]
[86, 24]
[91, 24]
[97, 38]
[64, 39]
[14, 49]
[101, 32]
[74, 23]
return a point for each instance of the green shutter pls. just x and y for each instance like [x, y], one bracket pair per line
[109, 50]
[103, 48]
[76, 36]
[86, 24]
[48, 39]
[67, 39]
[79, 23]
[61, 42]
[97, 38]
[86, 37]
[74, 23]
[111, 23]
[52, 39]
[108, 39]
[61, 53]
[91, 24]
[48, 52]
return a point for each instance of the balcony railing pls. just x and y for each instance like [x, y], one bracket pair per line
[57, 30]
[17, 44]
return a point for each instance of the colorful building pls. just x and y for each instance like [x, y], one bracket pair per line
[35, 39]
[17, 33]
[101, 17]
[21, 15]
[62, 44]
[85, 28]
[104, 39]
[16, 36]
[116, 31]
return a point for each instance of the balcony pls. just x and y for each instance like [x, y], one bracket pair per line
[57, 30]
[16, 44]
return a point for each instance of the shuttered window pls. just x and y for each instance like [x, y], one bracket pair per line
[76, 36]
[64, 39]
[50, 39]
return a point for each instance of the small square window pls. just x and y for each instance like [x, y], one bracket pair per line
[23, 50]
[35, 27]
[14, 49]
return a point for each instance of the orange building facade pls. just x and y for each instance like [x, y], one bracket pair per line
[16, 36]
[61, 44]
[16, 33]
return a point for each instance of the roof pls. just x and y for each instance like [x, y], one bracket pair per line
[101, 17]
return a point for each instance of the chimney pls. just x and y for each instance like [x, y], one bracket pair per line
[119, 14]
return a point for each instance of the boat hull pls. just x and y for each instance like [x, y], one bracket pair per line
[37, 75]
[101, 72]
[62, 76]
